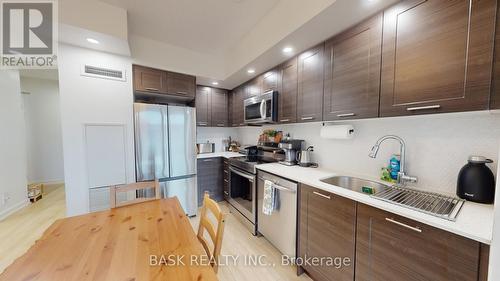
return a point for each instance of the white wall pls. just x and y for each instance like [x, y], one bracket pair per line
[90, 100]
[13, 192]
[43, 130]
[494, 270]
[437, 145]
[215, 135]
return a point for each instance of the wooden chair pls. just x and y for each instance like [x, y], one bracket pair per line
[215, 233]
[116, 189]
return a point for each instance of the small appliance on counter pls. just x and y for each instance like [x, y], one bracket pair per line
[476, 181]
[207, 147]
[290, 147]
[304, 158]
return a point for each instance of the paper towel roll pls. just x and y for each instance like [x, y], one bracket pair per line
[337, 131]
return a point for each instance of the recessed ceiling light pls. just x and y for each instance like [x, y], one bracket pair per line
[251, 71]
[287, 50]
[92, 40]
[215, 83]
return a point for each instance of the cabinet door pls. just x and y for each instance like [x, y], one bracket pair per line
[495, 94]
[219, 108]
[210, 178]
[287, 110]
[352, 72]
[181, 84]
[310, 85]
[435, 57]
[270, 81]
[393, 248]
[203, 107]
[327, 229]
[149, 80]
[253, 88]
[237, 107]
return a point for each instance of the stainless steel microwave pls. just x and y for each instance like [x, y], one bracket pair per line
[261, 109]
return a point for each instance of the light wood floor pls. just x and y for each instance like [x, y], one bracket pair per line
[20, 231]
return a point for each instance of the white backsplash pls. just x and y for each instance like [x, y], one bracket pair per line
[437, 146]
[215, 135]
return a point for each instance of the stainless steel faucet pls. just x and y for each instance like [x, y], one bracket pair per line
[402, 177]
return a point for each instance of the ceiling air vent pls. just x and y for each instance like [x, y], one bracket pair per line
[104, 73]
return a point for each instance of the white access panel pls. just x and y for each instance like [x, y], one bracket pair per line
[105, 154]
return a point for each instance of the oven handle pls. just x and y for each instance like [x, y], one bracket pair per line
[250, 178]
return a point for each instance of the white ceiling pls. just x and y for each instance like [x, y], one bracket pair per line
[205, 26]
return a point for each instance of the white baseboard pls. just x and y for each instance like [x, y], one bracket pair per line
[16, 207]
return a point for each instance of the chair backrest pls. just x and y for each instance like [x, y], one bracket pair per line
[215, 233]
[116, 189]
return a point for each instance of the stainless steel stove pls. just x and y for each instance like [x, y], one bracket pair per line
[243, 183]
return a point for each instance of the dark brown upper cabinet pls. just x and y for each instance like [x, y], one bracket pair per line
[394, 248]
[352, 72]
[253, 88]
[287, 104]
[149, 80]
[310, 85]
[270, 81]
[495, 94]
[155, 81]
[203, 106]
[219, 108]
[327, 228]
[437, 56]
[181, 84]
[237, 110]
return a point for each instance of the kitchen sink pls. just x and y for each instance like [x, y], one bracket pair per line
[435, 204]
[356, 184]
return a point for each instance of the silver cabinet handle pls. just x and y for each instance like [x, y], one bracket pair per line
[416, 229]
[181, 93]
[227, 193]
[436, 106]
[202, 123]
[307, 118]
[207, 160]
[152, 89]
[225, 171]
[322, 195]
[285, 120]
[242, 124]
[220, 125]
[346, 115]
[226, 180]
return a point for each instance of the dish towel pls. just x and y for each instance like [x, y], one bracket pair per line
[268, 201]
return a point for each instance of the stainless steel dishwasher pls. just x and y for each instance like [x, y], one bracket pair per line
[279, 228]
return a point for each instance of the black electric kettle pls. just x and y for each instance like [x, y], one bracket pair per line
[476, 182]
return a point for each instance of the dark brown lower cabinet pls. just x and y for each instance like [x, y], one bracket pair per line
[327, 229]
[210, 178]
[394, 248]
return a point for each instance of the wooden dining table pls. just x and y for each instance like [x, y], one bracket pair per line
[148, 241]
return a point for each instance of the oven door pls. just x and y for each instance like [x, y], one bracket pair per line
[242, 192]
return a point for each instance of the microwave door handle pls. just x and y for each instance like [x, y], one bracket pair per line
[263, 109]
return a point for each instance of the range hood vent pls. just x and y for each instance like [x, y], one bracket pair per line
[104, 73]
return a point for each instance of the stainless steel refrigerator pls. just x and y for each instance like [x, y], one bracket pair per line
[165, 148]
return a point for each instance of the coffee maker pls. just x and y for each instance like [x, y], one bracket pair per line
[290, 147]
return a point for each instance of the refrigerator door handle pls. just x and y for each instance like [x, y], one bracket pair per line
[138, 146]
[165, 140]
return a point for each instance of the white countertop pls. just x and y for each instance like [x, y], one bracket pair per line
[225, 154]
[475, 221]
